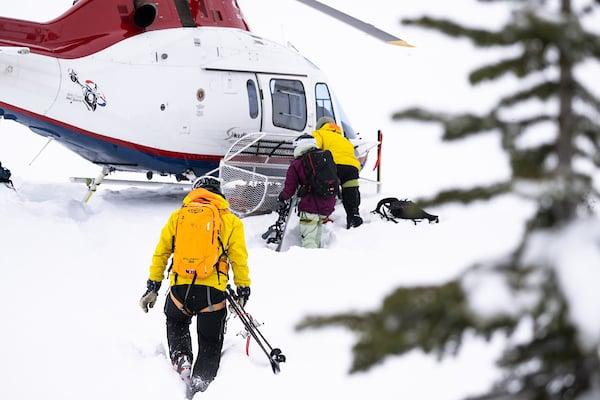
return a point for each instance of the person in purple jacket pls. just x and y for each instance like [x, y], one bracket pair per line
[314, 210]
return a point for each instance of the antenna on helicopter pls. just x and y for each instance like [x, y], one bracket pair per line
[356, 23]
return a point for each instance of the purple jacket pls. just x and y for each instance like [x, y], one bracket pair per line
[309, 203]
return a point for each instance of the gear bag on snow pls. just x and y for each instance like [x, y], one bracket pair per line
[197, 245]
[391, 208]
[5, 177]
[4, 174]
[321, 174]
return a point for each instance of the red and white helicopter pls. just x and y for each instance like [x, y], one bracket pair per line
[163, 86]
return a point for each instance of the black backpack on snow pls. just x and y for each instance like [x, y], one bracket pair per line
[391, 208]
[4, 175]
[321, 174]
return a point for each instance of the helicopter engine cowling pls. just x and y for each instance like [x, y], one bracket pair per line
[145, 13]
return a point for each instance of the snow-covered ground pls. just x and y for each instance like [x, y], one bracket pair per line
[72, 274]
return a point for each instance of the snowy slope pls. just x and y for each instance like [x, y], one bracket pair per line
[72, 274]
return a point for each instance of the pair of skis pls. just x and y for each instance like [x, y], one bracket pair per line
[275, 355]
[276, 232]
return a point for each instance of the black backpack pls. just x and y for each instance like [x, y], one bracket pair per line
[4, 175]
[391, 208]
[321, 174]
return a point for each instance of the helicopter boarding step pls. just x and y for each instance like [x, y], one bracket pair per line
[253, 171]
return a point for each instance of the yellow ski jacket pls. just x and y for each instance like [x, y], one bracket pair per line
[232, 235]
[330, 137]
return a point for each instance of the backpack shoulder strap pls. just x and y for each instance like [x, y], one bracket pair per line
[385, 202]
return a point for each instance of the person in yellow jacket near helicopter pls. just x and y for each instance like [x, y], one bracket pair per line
[202, 294]
[329, 136]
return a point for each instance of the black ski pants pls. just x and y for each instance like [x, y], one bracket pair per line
[209, 325]
[348, 175]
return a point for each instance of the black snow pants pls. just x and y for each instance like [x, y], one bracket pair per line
[209, 325]
[348, 175]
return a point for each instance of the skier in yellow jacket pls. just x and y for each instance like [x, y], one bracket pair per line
[329, 136]
[200, 296]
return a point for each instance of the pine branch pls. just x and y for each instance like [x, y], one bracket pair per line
[584, 125]
[525, 27]
[591, 43]
[586, 96]
[511, 130]
[351, 321]
[466, 196]
[530, 163]
[588, 129]
[464, 125]
[520, 66]
[561, 200]
[433, 319]
[542, 91]
[479, 36]
[420, 114]
[455, 126]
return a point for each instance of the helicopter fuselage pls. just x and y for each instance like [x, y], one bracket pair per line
[167, 101]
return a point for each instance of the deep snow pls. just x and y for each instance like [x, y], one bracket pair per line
[72, 276]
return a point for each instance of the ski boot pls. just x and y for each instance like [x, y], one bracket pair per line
[354, 221]
[196, 385]
[183, 366]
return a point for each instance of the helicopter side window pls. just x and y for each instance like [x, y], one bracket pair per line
[252, 98]
[289, 104]
[324, 102]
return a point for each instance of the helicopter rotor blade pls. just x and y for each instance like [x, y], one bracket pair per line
[356, 23]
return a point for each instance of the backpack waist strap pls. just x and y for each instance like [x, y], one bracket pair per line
[186, 311]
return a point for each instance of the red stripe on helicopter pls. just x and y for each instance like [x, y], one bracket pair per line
[93, 25]
[145, 149]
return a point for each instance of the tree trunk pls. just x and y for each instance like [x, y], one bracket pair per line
[566, 206]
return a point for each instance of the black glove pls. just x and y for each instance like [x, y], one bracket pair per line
[243, 294]
[281, 203]
[149, 298]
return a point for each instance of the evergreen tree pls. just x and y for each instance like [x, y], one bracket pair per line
[555, 363]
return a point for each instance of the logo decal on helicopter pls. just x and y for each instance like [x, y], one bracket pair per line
[92, 98]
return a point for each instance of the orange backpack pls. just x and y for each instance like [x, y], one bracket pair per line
[198, 246]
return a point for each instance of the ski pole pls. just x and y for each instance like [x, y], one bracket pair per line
[275, 356]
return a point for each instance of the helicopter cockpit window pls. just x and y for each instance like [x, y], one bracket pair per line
[349, 132]
[289, 104]
[324, 102]
[252, 98]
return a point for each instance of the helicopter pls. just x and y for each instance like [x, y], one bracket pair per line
[163, 86]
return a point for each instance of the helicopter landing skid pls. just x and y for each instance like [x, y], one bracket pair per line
[93, 183]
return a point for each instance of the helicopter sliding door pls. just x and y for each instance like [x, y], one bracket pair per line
[287, 103]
